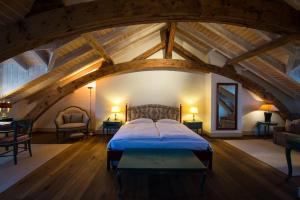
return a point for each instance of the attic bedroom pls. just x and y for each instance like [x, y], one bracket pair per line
[146, 99]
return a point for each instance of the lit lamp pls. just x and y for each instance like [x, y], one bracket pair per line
[194, 110]
[116, 110]
[90, 86]
[268, 108]
[5, 107]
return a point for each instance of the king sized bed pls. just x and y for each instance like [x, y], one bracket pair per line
[155, 126]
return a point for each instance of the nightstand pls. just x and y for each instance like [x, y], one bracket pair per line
[194, 125]
[111, 126]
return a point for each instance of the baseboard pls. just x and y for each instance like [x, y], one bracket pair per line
[47, 130]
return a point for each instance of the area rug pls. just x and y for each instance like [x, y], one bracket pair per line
[268, 152]
[41, 153]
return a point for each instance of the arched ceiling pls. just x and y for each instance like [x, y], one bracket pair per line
[268, 55]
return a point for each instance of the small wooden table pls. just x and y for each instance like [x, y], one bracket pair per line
[194, 125]
[266, 126]
[292, 143]
[111, 126]
[160, 161]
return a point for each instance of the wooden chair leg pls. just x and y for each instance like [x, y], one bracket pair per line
[25, 146]
[15, 154]
[29, 148]
[289, 161]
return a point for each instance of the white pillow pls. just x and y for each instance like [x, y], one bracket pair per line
[141, 120]
[168, 121]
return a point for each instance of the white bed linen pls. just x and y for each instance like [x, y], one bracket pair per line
[162, 137]
[146, 130]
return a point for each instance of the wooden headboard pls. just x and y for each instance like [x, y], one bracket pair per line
[154, 112]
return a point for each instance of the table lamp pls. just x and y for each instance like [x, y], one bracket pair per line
[268, 108]
[194, 110]
[5, 107]
[116, 110]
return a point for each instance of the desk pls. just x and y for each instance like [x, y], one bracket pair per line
[141, 161]
[266, 126]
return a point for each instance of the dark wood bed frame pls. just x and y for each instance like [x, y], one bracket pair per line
[205, 156]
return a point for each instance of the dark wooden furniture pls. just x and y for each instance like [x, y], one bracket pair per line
[266, 126]
[227, 99]
[291, 144]
[162, 112]
[109, 126]
[21, 134]
[160, 161]
[194, 125]
[8, 119]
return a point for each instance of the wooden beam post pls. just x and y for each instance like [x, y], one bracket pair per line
[170, 40]
[99, 49]
[151, 51]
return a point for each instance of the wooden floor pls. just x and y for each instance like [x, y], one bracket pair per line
[80, 173]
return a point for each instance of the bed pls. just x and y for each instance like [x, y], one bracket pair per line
[155, 126]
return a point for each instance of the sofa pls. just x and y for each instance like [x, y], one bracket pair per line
[72, 120]
[290, 130]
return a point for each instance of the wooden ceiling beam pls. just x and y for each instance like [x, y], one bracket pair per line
[98, 47]
[170, 40]
[187, 55]
[19, 59]
[146, 65]
[37, 96]
[194, 31]
[40, 57]
[151, 51]
[50, 78]
[126, 39]
[264, 48]
[236, 40]
[43, 27]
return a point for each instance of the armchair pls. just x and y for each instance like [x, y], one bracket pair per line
[72, 119]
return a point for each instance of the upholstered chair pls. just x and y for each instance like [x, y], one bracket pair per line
[72, 120]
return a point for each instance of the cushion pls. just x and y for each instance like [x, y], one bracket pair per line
[141, 120]
[73, 125]
[76, 118]
[168, 121]
[10, 139]
[287, 125]
[67, 118]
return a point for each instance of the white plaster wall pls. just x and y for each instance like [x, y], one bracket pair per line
[251, 114]
[225, 133]
[78, 98]
[152, 87]
[161, 87]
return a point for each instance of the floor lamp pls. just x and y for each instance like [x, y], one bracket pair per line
[90, 87]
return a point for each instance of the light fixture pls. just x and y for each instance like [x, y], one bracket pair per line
[116, 110]
[194, 110]
[90, 86]
[268, 108]
[5, 107]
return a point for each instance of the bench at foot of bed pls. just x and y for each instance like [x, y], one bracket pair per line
[204, 156]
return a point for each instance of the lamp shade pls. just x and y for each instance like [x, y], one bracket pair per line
[194, 110]
[115, 109]
[5, 105]
[268, 108]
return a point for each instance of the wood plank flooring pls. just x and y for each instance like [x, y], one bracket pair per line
[80, 173]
